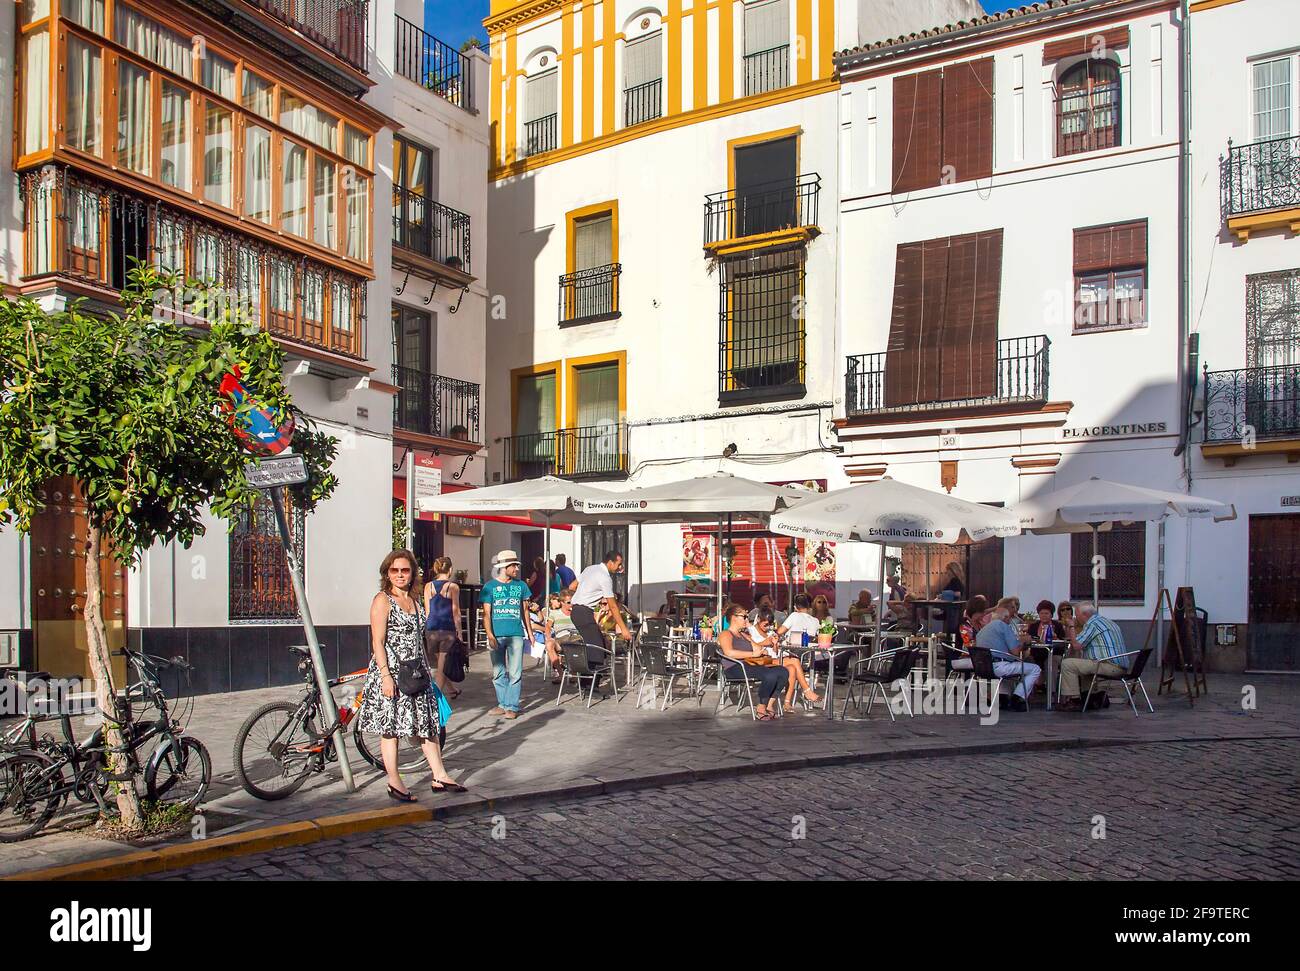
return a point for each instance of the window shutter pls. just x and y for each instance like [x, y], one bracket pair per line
[1114, 39]
[593, 242]
[767, 26]
[968, 119]
[970, 334]
[597, 394]
[918, 134]
[913, 356]
[540, 96]
[1103, 248]
[642, 61]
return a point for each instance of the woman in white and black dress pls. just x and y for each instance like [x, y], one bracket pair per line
[397, 635]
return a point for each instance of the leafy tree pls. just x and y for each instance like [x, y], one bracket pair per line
[127, 405]
[471, 43]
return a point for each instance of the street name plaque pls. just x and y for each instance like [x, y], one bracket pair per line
[272, 473]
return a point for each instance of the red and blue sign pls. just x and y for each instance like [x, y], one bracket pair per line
[256, 428]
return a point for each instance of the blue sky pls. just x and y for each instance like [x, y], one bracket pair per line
[454, 20]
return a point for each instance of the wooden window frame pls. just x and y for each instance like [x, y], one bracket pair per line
[1111, 274]
[1089, 138]
[1081, 562]
[535, 370]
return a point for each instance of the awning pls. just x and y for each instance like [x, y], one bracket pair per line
[448, 487]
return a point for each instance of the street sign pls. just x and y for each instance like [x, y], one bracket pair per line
[427, 479]
[255, 428]
[272, 473]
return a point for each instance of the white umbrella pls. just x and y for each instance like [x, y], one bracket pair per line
[1097, 504]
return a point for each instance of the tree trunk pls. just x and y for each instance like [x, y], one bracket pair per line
[128, 803]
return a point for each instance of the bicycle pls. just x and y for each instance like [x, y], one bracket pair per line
[32, 781]
[281, 743]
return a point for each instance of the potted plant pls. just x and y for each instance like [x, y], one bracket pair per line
[706, 627]
[826, 633]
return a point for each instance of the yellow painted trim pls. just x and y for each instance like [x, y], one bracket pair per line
[588, 72]
[512, 93]
[826, 38]
[803, 41]
[700, 68]
[621, 136]
[770, 136]
[673, 26]
[1210, 4]
[1243, 226]
[498, 143]
[779, 237]
[1230, 453]
[566, 77]
[501, 18]
[573, 364]
[608, 68]
[727, 51]
[530, 370]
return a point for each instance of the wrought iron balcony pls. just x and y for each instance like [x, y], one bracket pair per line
[1261, 176]
[767, 208]
[541, 135]
[433, 65]
[1021, 377]
[767, 70]
[592, 451]
[761, 367]
[431, 229]
[589, 295]
[1259, 404]
[431, 404]
[339, 26]
[644, 102]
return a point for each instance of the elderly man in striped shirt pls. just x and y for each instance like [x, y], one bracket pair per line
[1100, 642]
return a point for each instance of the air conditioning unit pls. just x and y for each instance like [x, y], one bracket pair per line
[8, 648]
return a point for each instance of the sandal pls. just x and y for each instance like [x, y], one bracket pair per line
[446, 785]
[766, 716]
[399, 795]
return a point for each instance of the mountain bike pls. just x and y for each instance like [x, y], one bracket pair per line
[35, 782]
[282, 743]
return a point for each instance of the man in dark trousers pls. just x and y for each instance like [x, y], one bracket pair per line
[596, 586]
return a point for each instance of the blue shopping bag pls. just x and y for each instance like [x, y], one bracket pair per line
[444, 706]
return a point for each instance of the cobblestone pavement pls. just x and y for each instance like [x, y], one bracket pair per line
[1222, 810]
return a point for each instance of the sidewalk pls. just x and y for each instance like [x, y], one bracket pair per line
[573, 750]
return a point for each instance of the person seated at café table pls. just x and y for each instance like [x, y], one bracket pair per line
[559, 626]
[1101, 644]
[1006, 647]
[862, 611]
[1045, 629]
[763, 633]
[1065, 614]
[739, 653]
[821, 608]
[799, 621]
[670, 609]
[764, 602]
[973, 619]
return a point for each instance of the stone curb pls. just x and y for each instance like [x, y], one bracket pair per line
[180, 855]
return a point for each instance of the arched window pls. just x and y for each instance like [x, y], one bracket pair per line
[1087, 108]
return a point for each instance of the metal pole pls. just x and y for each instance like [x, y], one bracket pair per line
[640, 579]
[1096, 583]
[410, 499]
[313, 643]
[1160, 587]
[545, 605]
[717, 548]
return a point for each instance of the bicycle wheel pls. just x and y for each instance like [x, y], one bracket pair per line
[27, 800]
[274, 750]
[182, 775]
[409, 756]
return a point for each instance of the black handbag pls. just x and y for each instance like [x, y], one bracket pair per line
[456, 661]
[412, 677]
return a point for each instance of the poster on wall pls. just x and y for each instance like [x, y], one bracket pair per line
[819, 570]
[462, 526]
[697, 562]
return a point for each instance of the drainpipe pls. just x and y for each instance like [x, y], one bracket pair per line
[1186, 373]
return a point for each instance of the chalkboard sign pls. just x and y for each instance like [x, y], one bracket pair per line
[1185, 645]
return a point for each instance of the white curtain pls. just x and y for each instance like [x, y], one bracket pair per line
[258, 95]
[165, 47]
[219, 156]
[767, 25]
[323, 216]
[282, 286]
[88, 13]
[257, 173]
[341, 303]
[541, 96]
[134, 117]
[83, 218]
[218, 75]
[597, 395]
[356, 240]
[36, 92]
[1272, 83]
[313, 297]
[309, 121]
[207, 258]
[85, 106]
[169, 245]
[356, 146]
[642, 60]
[175, 136]
[293, 190]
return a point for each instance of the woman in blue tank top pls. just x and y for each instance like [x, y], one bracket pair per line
[442, 607]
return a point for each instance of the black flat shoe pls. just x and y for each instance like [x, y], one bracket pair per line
[400, 796]
[438, 786]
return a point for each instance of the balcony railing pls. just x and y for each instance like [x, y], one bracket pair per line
[1252, 404]
[590, 451]
[430, 63]
[644, 102]
[760, 366]
[766, 208]
[1261, 176]
[767, 70]
[1088, 120]
[339, 26]
[92, 233]
[431, 404]
[1021, 377]
[431, 229]
[589, 295]
[540, 135]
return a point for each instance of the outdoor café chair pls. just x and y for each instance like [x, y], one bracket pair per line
[901, 660]
[654, 628]
[982, 670]
[1131, 680]
[736, 680]
[578, 667]
[656, 668]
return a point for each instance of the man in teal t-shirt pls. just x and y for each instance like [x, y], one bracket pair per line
[508, 628]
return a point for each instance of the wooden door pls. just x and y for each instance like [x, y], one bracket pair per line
[1274, 615]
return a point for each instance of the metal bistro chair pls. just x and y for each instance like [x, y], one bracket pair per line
[1131, 680]
[578, 667]
[655, 667]
[735, 680]
[901, 661]
[982, 670]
